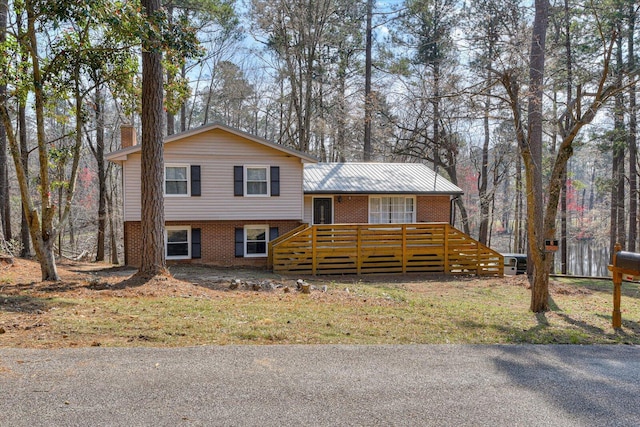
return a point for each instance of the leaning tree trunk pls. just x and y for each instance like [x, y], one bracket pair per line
[43, 233]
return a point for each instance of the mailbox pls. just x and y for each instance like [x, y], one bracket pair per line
[551, 245]
[627, 260]
[623, 263]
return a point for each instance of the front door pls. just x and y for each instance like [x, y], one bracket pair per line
[323, 210]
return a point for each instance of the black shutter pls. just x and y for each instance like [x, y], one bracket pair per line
[238, 181]
[196, 246]
[273, 233]
[239, 242]
[195, 180]
[275, 180]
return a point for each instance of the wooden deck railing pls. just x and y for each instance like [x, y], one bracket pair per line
[279, 239]
[383, 248]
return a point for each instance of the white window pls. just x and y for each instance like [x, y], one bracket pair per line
[176, 180]
[178, 242]
[391, 210]
[255, 240]
[256, 181]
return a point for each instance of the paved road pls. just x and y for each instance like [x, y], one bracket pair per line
[423, 385]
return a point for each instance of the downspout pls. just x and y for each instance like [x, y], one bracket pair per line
[452, 210]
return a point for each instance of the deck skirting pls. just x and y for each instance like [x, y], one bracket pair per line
[382, 248]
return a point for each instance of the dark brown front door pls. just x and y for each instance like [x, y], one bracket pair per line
[322, 210]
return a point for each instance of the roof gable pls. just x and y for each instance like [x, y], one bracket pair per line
[375, 178]
[120, 156]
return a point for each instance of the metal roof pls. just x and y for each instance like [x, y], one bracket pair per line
[380, 178]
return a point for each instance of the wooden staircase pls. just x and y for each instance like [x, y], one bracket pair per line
[382, 248]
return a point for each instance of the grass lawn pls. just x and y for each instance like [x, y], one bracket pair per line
[102, 307]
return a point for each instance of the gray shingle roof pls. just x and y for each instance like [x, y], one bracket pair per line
[405, 178]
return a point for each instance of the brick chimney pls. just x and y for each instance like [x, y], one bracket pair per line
[127, 136]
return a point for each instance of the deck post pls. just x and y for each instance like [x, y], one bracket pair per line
[404, 248]
[447, 267]
[314, 252]
[358, 251]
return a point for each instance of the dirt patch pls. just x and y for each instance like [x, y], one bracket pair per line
[78, 279]
[559, 288]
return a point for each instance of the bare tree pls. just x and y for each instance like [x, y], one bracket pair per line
[295, 30]
[542, 211]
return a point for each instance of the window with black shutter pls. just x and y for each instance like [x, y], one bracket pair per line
[275, 180]
[195, 180]
[273, 233]
[239, 242]
[256, 181]
[238, 180]
[196, 246]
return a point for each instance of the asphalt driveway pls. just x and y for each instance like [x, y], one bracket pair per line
[439, 385]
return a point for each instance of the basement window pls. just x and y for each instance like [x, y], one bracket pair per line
[178, 242]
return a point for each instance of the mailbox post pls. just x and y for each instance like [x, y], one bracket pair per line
[616, 316]
[623, 263]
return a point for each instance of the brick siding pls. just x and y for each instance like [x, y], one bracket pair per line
[355, 209]
[433, 208]
[218, 242]
[351, 209]
[218, 237]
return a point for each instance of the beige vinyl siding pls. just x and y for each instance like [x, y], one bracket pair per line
[217, 152]
[308, 209]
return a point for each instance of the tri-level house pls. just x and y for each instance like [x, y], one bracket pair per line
[234, 199]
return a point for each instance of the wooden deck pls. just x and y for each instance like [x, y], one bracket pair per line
[382, 248]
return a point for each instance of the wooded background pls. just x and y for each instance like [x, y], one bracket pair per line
[441, 82]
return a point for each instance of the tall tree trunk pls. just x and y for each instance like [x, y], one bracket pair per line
[633, 129]
[171, 123]
[618, 146]
[464, 216]
[533, 161]
[5, 200]
[112, 232]
[102, 177]
[23, 150]
[613, 208]
[24, 159]
[518, 244]
[340, 145]
[152, 173]
[485, 201]
[368, 101]
[436, 115]
[563, 224]
[183, 107]
[569, 95]
[169, 116]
